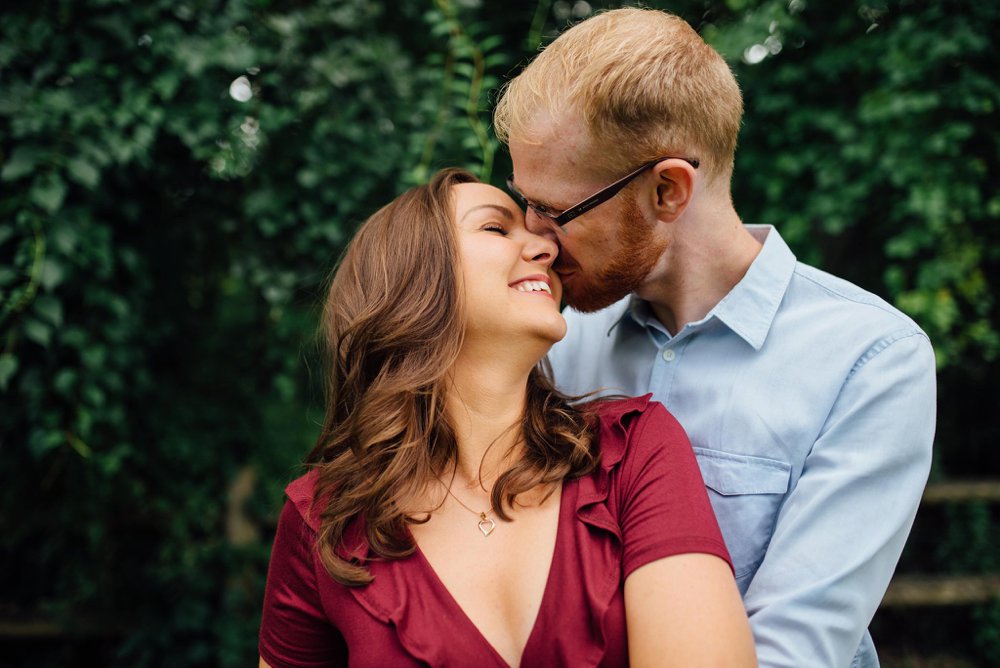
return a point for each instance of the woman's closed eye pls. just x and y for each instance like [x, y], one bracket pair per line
[495, 227]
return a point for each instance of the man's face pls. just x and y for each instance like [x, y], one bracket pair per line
[605, 253]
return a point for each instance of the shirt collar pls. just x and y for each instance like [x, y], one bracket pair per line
[749, 308]
[642, 314]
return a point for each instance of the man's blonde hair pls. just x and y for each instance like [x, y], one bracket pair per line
[644, 84]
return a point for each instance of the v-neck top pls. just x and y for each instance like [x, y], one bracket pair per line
[645, 501]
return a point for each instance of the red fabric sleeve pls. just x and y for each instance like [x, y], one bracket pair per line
[294, 630]
[664, 507]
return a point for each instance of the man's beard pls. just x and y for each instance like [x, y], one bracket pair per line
[639, 251]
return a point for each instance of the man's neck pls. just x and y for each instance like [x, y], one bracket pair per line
[706, 258]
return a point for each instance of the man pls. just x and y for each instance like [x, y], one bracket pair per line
[810, 403]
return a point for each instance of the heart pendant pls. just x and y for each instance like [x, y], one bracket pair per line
[486, 525]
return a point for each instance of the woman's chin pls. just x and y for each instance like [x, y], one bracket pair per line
[553, 330]
[560, 330]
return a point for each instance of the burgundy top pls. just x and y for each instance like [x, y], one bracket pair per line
[645, 501]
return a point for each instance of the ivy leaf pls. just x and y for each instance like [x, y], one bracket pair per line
[42, 441]
[48, 192]
[8, 367]
[22, 162]
[52, 273]
[50, 309]
[83, 173]
[65, 382]
[38, 332]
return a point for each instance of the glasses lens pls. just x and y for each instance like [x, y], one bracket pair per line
[515, 192]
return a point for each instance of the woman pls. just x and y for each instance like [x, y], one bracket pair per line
[458, 510]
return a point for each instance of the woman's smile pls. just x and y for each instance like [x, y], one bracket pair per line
[537, 284]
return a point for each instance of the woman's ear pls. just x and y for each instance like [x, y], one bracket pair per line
[675, 181]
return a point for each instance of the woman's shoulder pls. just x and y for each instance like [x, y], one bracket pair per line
[630, 416]
[302, 500]
[620, 407]
[300, 493]
[631, 425]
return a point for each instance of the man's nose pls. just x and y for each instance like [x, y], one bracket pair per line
[541, 225]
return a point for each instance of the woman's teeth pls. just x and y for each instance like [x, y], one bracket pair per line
[534, 286]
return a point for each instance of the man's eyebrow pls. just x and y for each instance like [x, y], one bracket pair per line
[501, 209]
[536, 203]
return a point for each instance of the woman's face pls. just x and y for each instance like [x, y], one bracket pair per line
[510, 288]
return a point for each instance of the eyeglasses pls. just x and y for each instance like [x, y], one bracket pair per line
[597, 198]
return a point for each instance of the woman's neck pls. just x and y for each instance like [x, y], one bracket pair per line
[485, 404]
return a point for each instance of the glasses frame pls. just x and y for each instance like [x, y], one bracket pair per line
[598, 198]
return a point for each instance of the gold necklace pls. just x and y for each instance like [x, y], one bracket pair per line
[486, 525]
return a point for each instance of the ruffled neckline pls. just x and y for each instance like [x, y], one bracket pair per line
[386, 597]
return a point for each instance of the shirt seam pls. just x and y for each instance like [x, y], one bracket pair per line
[881, 345]
[675, 546]
[855, 299]
[874, 351]
[272, 660]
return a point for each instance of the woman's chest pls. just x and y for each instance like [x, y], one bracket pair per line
[407, 616]
[498, 577]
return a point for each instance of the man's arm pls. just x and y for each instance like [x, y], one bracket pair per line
[841, 530]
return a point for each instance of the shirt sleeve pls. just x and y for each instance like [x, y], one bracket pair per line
[664, 507]
[841, 530]
[294, 631]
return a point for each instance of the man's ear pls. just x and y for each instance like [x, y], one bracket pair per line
[675, 181]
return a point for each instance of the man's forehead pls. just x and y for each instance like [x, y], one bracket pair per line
[563, 132]
[552, 153]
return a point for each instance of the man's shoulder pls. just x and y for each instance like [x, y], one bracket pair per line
[607, 317]
[580, 361]
[848, 304]
[591, 330]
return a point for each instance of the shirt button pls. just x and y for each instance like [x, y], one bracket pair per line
[669, 355]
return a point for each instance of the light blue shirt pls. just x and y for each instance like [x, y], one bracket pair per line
[810, 404]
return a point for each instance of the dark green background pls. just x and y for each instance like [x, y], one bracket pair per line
[163, 248]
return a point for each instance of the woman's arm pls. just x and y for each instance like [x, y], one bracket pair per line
[294, 629]
[682, 606]
[685, 610]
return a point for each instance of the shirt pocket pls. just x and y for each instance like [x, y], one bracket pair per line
[746, 493]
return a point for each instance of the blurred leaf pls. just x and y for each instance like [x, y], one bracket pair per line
[8, 367]
[22, 161]
[38, 332]
[42, 441]
[83, 172]
[52, 273]
[50, 309]
[48, 192]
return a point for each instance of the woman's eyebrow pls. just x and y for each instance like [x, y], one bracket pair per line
[501, 209]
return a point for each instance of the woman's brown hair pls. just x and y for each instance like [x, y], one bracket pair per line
[393, 325]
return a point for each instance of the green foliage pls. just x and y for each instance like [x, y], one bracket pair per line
[969, 542]
[987, 633]
[177, 180]
[875, 151]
